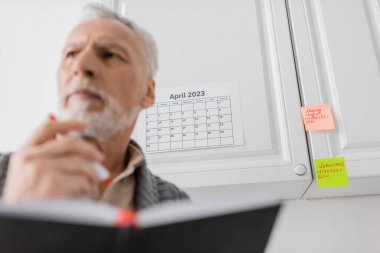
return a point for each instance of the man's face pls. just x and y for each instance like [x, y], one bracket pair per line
[103, 58]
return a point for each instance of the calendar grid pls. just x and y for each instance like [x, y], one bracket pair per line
[188, 124]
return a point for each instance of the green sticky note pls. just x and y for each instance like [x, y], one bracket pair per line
[331, 172]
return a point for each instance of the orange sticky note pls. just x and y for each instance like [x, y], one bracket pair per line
[317, 118]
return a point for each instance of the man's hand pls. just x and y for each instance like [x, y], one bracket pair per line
[46, 167]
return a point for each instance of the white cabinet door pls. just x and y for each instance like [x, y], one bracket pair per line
[337, 47]
[248, 43]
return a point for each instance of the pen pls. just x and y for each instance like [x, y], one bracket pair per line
[101, 171]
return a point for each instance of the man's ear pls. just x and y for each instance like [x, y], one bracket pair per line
[149, 95]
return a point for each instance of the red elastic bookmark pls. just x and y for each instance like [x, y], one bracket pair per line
[126, 218]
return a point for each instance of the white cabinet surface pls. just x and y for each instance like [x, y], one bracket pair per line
[337, 47]
[247, 42]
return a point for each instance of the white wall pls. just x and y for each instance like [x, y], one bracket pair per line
[32, 36]
[335, 225]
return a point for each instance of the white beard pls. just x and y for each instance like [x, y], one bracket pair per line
[102, 125]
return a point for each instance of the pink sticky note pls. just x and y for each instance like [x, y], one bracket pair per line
[317, 118]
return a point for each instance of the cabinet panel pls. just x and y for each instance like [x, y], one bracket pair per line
[246, 42]
[337, 53]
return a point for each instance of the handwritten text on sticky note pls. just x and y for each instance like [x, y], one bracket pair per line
[317, 118]
[331, 172]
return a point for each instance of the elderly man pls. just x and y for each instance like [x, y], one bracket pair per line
[105, 79]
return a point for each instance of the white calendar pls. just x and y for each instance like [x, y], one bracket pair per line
[194, 117]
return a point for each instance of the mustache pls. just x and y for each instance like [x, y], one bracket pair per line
[84, 87]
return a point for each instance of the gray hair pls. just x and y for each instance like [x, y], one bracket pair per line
[149, 46]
